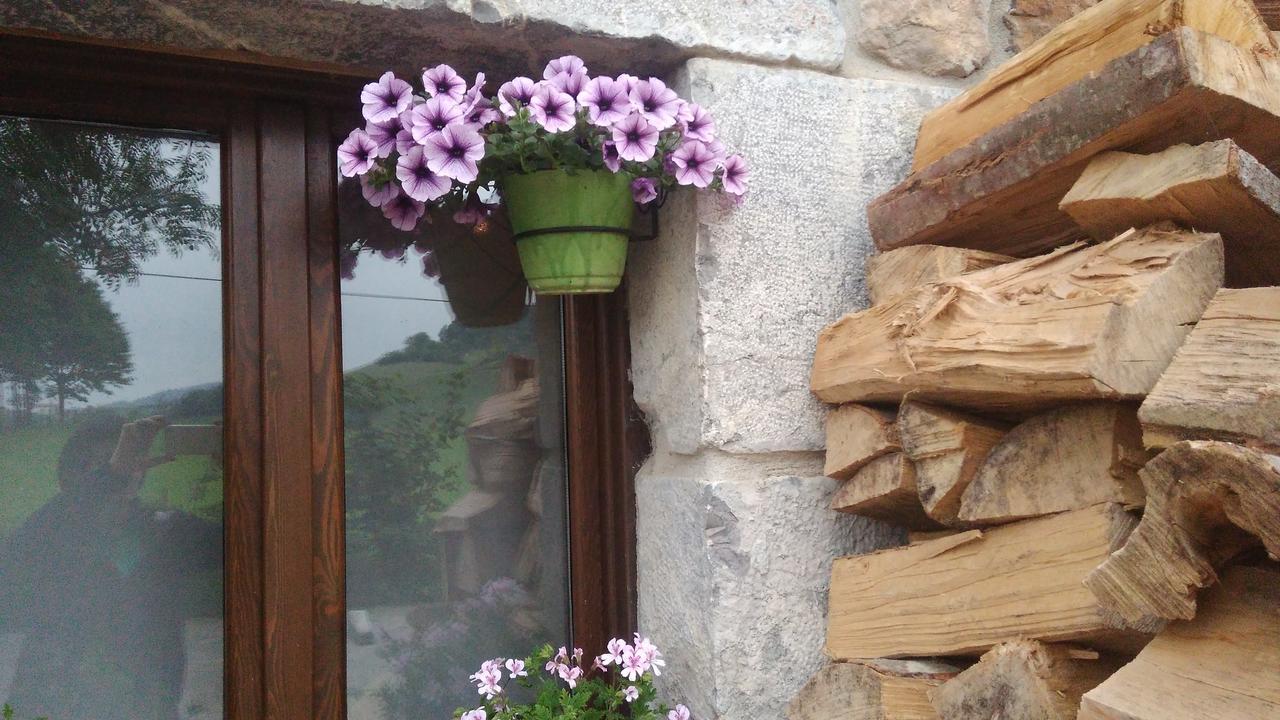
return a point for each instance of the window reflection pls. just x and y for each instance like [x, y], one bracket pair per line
[110, 415]
[454, 473]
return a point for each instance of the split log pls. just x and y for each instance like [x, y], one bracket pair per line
[947, 448]
[885, 489]
[1001, 192]
[1023, 680]
[856, 435]
[1065, 459]
[871, 690]
[1224, 382]
[897, 271]
[1199, 496]
[1222, 665]
[1215, 187]
[964, 593]
[1071, 51]
[1081, 323]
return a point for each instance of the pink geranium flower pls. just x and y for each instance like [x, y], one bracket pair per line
[444, 80]
[552, 109]
[386, 98]
[356, 154]
[454, 152]
[655, 102]
[417, 178]
[630, 693]
[680, 713]
[636, 139]
[606, 100]
[477, 714]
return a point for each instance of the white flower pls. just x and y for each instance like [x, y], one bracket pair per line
[630, 693]
[477, 714]
[680, 713]
[615, 649]
[516, 668]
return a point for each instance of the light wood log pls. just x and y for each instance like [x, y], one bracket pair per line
[856, 435]
[1023, 680]
[1082, 45]
[947, 448]
[871, 690]
[1081, 323]
[1065, 459]
[1001, 192]
[1214, 187]
[962, 594]
[885, 489]
[1224, 664]
[1224, 382]
[1195, 490]
[897, 271]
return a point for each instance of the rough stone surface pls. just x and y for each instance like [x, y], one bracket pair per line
[734, 561]
[727, 303]
[1029, 20]
[936, 37]
[498, 36]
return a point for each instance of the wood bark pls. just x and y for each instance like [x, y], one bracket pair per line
[1082, 45]
[1202, 497]
[1221, 665]
[856, 435]
[871, 690]
[1081, 323]
[1214, 187]
[1023, 680]
[897, 271]
[1224, 382]
[1000, 193]
[885, 489]
[947, 448]
[964, 593]
[1065, 459]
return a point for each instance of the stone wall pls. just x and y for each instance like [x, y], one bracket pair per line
[824, 98]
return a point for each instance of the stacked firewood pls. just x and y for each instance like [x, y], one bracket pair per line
[1068, 389]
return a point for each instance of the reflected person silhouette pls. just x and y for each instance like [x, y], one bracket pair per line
[101, 585]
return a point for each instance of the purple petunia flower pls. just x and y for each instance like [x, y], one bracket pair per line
[635, 138]
[434, 115]
[430, 265]
[699, 126]
[405, 141]
[695, 164]
[644, 190]
[552, 109]
[404, 212]
[518, 90]
[611, 158]
[454, 152]
[571, 83]
[357, 153]
[384, 134]
[656, 102]
[444, 80]
[479, 110]
[417, 179]
[378, 196]
[386, 98]
[472, 212]
[571, 64]
[735, 175]
[629, 81]
[607, 101]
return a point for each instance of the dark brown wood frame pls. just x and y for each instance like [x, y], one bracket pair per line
[285, 604]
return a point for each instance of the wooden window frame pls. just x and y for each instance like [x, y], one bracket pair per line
[276, 123]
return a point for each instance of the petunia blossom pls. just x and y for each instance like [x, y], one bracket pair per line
[386, 98]
[699, 126]
[735, 175]
[404, 212]
[570, 64]
[609, 151]
[635, 138]
[478, 109]
[607, 100]
[417, 178]
[518, 90]
[454, 152]
[656, 102]
[378, 195]
[356, 154]
[552, 109]
[444, 80]
[644, 190]
[434, 115]
[384, 134]
[571, 83]
[694, 163]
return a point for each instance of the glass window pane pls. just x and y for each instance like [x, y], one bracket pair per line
[455, 486]
[110, 423]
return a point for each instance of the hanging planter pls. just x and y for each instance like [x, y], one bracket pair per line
[571, 228]
[571, 155]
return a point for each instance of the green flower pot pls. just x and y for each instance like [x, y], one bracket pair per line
[545, 208]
